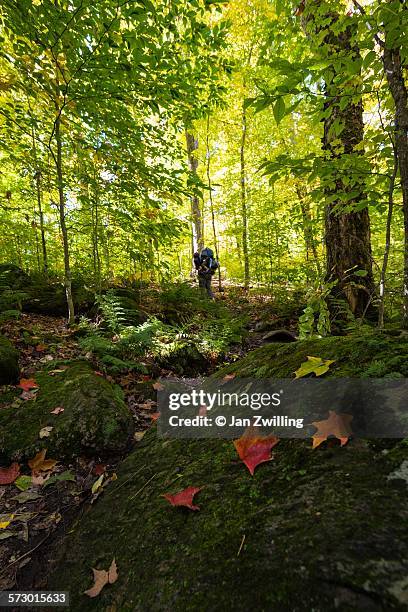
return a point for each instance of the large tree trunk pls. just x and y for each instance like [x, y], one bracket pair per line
[198, 227]
[395, 78]
[347, 234]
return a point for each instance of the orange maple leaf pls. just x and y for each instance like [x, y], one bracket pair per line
[27, 383]
[337, 425]
[40, 464]
[254, 449]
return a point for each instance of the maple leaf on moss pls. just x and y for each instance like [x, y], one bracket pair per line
[27, 383]
[184, 498]
[337, 425]
[101, 578]
[254, 449]
[314, 365]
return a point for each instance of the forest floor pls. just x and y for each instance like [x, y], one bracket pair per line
[45, 517]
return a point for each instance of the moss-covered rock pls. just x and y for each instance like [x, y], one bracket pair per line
[50, 299]
[95, 418]
[13, 277]
[375, 355]
[320, 530]
[9, 368]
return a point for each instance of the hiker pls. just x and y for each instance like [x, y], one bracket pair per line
[206, 265]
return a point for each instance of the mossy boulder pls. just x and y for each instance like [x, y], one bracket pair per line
[13, 277]
[95, 420]
[9, 368]
[320, 530]
[373, 355]
[50, 299]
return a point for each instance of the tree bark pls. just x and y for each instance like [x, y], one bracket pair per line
[61, 208]
[347, 234]
[212, 202]
[396, 83]
[198, 226]
[244, 210]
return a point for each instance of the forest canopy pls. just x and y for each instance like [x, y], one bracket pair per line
[133, 133]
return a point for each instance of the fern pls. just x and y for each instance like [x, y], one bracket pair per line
[113, 313]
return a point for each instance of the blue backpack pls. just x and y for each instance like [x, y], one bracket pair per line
[208, 261]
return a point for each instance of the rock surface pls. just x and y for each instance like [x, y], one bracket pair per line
[95, 419]
[9, 368]
[320, 530]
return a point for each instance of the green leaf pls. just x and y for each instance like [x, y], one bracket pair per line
[361, 273]
[279, 110]
[23, 483]
[59, 478]
[314, 365]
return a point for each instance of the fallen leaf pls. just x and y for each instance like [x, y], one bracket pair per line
[183, 498]
[9, 475]
[27, 383]
[99, 468]
[45, 432]
[40, 348]
[98, 373]
[5, 520]
[28, 395]
[158, 386]
[64, 476]
[253, 449]
[40, 464]
[229, 377]
[23, 483]
[314, 365]
[38, 479]
[57, 410]
[101, 578]
[26, 496]
[97, 484]
[7, 534]
[139, 435]
[154, 416]
[337, 425]
[202, 411]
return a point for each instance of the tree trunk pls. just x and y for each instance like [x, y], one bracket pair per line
[347, 234]
[198, 227]
[395, 78]
[61, 207]
[244, 209]
[387, 240]
[39, 202]
[212, 202]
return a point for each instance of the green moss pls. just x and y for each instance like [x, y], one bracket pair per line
[319, 530]
[371, 355]
[95, 418]
[316, 526]
[9, 368]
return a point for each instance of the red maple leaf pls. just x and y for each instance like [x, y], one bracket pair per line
[254, 450]
[27, 383]
[9, 475]
[183, 498]
[337, 425]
